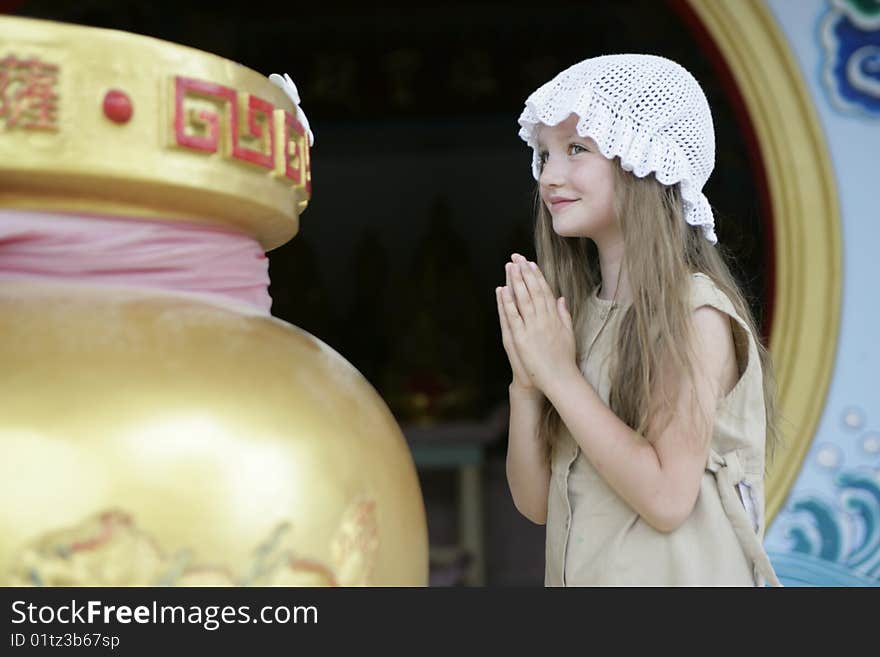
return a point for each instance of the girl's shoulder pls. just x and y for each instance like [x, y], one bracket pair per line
[705, 292]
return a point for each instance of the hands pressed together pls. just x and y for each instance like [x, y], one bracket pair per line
[536, 328]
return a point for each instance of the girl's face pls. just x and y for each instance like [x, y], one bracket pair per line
[576, 182]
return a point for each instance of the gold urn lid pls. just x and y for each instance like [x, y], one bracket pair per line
[103, 121]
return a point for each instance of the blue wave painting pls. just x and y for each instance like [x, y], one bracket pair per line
[850, 39]
[834, 545]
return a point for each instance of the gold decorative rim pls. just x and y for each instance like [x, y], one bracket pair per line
[806, 222]
[106, 121]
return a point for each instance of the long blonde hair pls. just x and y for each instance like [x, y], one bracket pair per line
[661, 252]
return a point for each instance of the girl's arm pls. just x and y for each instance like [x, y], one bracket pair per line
[528, 464]
[659, 477]
[528, 467]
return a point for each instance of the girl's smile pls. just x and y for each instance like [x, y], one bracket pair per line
[559, 203]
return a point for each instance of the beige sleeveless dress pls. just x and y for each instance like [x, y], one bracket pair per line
[595, 539]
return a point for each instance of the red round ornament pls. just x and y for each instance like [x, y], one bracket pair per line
[117, 106]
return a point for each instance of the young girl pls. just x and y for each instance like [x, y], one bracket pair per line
[641, 403]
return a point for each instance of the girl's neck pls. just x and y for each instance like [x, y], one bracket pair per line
[615, 284]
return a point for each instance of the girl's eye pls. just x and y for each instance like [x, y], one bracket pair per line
[574, 149]
[542, 158]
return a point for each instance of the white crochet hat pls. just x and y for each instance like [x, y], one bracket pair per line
[646, 110]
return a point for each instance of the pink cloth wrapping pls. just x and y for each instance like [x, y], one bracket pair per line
[142, 253]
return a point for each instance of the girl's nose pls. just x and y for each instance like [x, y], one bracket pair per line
[551, 173]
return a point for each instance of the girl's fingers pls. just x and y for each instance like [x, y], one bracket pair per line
[564, 313]
[536, 292]
[502, 319]
[506, 337]
[509, 281]
[514, 320]
[522, 297]
[542, 282]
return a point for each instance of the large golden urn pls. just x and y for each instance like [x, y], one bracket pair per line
[161, 436]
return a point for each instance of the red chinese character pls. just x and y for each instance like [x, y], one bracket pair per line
[28, 97]
[251, 109]
[296, 153]
[205, 120]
